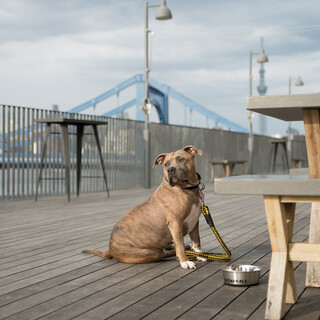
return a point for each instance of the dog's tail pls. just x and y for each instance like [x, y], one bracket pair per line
[104, 255]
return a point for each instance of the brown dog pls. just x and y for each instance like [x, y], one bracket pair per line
[147, 232]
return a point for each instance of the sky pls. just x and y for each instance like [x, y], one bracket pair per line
[66, 52]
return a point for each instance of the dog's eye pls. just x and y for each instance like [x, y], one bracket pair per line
[181, 159]
[166, 164]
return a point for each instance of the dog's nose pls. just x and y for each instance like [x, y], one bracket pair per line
[171, 170]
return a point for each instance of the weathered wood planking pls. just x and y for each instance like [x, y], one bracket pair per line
[44, 275]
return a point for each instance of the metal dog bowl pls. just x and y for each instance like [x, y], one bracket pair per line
[241, 275]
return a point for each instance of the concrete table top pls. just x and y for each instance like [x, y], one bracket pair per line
[289, 185]
[286, 107]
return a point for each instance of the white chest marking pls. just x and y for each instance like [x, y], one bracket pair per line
[193, 217]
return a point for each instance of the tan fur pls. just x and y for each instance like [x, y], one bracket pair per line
[105, 255]
[146, 232]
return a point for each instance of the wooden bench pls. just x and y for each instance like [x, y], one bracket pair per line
[228, 166]
[281, 193]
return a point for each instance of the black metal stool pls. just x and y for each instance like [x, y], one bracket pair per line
[276, 143]
[64, 123]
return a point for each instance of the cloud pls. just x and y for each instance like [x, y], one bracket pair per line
[68, 51]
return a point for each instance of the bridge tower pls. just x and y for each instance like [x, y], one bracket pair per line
[158, 98]
[159, 95]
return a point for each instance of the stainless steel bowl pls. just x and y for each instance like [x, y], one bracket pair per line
[241, 275]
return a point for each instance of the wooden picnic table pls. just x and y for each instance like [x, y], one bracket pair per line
[281, 193]
[228, 166]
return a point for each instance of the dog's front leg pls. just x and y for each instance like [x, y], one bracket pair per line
[176, 230]
[195, 241]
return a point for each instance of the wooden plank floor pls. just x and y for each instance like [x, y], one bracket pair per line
[44, 275]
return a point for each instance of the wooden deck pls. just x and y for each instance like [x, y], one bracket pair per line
[43, 273]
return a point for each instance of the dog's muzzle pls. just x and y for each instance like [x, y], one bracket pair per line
[171, 177]
[176, 176]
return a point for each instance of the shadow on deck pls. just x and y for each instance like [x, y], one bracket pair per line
[43, 273]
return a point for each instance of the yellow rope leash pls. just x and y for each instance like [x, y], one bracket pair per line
[192, 255]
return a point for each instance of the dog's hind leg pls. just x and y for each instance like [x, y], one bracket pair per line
[172, 247]
[141, 255]
[104, 255]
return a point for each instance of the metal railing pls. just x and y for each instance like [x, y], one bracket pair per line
[21, 141]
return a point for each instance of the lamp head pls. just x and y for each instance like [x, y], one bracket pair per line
[262, 57]
[299, 82]
[163, 13]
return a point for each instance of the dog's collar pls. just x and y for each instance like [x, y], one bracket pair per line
[192, 187]
[195, 186]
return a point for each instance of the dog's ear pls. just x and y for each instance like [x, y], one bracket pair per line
[160, 159]
[192, 150]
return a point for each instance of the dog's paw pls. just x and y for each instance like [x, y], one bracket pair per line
[193, 247]
[200, 259]
[188, 265]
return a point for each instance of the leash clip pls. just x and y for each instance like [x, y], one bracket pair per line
[202, 198]
[201, 188]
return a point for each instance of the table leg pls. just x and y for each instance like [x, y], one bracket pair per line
[286, 159]
[297, 163]
[281, 285]
[66, 156]
[271, 157]
[101, 158]
[275, 157]
[79, 147]
[313, 268]
[311, 119]
[243, 168]
[228, 169]
[232, 168]
[212, 172]
[44, 149]
[291, 290]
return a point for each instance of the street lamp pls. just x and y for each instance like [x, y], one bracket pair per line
[298, 83]
[262, 58]
[163, 13]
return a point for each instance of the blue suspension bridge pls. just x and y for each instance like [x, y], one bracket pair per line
[159, 95]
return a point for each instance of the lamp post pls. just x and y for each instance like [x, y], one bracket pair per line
[298, 83]
[163, 13]
[262, 58]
